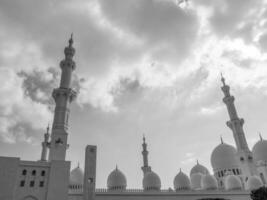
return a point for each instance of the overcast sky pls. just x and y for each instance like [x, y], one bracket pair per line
[143, 67]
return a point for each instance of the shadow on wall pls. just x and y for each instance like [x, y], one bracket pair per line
[259, 194]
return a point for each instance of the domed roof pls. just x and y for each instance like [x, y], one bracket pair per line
[181, 181]
[76, 176]
[224, 157]
[196, 181]
[259, 150]
[198, 168]
[253, 182]
[116, 180]
[209, 182]
[151, 181]
[233, 182]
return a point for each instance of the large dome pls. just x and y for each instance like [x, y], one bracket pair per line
[116, 180]
[224, 157]
[181, 181]
[196, 181]
[151, 181]
[209, 182]
[259, 151]
[253, 182]
[233, 182]
[76, 176]
[198, 168]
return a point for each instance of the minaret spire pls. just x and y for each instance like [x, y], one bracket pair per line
[45, 144]
[146, 167]
[236, 125]
[63, 96]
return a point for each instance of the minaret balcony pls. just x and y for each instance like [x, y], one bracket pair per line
[67, 63]
[66, 92]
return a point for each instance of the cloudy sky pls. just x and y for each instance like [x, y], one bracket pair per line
[143, 67]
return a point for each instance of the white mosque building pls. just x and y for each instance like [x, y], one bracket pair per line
[236, 169]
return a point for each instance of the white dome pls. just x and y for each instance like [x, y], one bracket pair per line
[253, 182]
[181, 181]
[196, 181]
[233, 182]
[198, 168]
[151, 181]
[76, 176]
[116, 180]
[209, 182]
[259, 151]
[224, 157]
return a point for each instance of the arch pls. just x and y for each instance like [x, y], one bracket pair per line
[30, 198]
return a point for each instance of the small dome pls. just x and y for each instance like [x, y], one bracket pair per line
[233, 182]
[116, 180]
[151, 181]
[76, 176]
[198, 168]
[224, 157]
[259, 151]
[209, 182]
[181, 181]
[196, 181]
[253, 182]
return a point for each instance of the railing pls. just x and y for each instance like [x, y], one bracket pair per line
[133, 190]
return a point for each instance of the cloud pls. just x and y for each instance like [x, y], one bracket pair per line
[18, 111]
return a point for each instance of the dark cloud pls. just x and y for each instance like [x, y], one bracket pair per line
[160, 24]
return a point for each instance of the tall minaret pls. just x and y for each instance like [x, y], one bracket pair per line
[63, 96]
[236, 125]
[45, 145]
[146, 167]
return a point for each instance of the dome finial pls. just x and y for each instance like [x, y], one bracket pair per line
[260, 136]
[222, 79]
[116, 167]
[221, 139]
[78, 165]
[197, 162]
[180, 169]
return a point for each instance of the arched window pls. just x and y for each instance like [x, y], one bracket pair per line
[24, 172]
[41, 184]
[33, 172]
[43, 173]
[22, 183]
[32, 184]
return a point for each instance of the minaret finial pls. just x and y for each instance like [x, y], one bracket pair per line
[221, 139]
[222, 79]
[180, 169]
[116, 166]
[78, 164]
[197, 162]
[260, 136]
[71, 40]
[144, 138]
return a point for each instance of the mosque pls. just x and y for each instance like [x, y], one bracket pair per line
[236, 169]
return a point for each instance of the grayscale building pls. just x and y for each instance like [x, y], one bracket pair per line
[236, 169]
